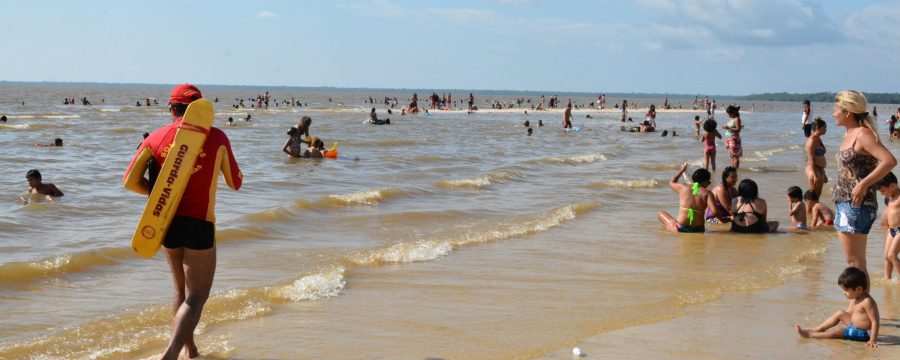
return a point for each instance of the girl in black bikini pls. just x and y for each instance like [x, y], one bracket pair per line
[750, 214]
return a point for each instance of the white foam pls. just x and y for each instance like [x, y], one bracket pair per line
[360, 197]
[61, 116]
[314, 286]
[424, 250]
[629, 184]
[480, 181]
[576, 159]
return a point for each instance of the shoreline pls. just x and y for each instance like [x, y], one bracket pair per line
[758, 324]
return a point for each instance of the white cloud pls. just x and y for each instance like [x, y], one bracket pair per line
[265, 14]
[875, 25]
[751, 22]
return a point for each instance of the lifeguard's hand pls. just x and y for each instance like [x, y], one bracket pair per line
[872, 344]
[684, 167]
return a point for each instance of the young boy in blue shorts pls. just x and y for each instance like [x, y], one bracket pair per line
[860, 317]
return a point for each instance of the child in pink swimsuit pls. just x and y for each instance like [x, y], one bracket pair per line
[710, 133]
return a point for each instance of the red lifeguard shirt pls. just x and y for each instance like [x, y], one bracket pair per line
[199, 199]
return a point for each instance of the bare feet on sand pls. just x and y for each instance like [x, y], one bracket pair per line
[802, 332]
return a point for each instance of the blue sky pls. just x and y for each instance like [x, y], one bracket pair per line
[728, 47]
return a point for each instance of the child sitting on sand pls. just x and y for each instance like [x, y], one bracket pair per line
[796, 208]
[693, 200]
[888, 187]
[860, 318]
[821, 214]
[36, 187]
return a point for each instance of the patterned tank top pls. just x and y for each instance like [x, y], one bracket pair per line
[853, 167]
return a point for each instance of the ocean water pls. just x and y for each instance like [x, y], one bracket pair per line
[444, 236]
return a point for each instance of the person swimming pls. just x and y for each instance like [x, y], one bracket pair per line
[37, 187]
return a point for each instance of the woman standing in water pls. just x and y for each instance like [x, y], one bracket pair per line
[733, 135]
[815, 154]
[862, 162]
[295, 140]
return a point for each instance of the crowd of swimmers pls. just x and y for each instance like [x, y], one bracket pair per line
[84, 101]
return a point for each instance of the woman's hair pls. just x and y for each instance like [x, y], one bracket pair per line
[305, 122]
[652, 107]
[701, 175]
[748, 191]
[733, 110]
[855, 102]
[818, 123]
[709, 125]
[58, 142]
[728, 171]
[292, 131]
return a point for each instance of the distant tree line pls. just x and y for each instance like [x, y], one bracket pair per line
[874, 98]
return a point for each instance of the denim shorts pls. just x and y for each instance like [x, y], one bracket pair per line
[854, 220]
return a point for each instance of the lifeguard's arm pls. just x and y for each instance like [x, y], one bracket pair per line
[872, 313]
[229, 166]
[134, 179]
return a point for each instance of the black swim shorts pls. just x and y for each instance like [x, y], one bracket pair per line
[194, 234]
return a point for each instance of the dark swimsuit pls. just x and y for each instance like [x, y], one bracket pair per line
[759, 227]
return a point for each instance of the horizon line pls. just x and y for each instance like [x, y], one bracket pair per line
[549, 93]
